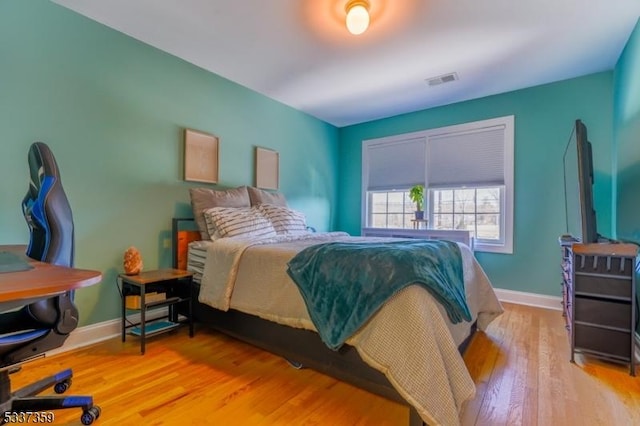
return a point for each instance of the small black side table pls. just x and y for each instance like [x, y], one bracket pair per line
[177, 285]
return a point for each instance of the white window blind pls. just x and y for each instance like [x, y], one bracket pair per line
[472, 158]
[396, 165]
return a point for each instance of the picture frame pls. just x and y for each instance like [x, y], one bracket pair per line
[267, 168]
[200, 156]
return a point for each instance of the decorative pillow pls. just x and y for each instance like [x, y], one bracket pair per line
[284, 219]
[260, 196]
[205, 198]
[239, 222]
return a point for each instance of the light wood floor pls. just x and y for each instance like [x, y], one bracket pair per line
[521, 368]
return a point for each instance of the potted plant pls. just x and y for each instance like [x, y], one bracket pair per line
[416, 194]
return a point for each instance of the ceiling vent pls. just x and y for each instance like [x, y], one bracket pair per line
[445, 78]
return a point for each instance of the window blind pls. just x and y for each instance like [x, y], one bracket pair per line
[472, 158]
[397, 165]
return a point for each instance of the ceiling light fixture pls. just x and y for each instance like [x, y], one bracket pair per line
[357, 16]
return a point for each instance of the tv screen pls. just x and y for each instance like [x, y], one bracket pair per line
[578, 180]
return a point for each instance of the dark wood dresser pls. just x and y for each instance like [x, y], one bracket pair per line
[599, 300]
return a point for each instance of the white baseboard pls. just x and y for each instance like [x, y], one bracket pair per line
[94, 333]
[529, 299]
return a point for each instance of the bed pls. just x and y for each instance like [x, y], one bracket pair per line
[408, 350]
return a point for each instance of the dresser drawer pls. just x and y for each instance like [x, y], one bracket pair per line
[602, 286]
[603, 312]
[611, 342]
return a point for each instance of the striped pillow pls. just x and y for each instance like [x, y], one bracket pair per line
[285, 220]
[238, 222]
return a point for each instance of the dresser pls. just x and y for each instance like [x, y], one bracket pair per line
[599, 300]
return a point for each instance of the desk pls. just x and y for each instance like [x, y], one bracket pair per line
[43, 281]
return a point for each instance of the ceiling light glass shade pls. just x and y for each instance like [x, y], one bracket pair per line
[357, 17]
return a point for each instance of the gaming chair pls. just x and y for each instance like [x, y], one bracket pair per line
[45, 324]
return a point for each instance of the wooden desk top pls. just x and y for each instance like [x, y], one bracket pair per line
[43, 280]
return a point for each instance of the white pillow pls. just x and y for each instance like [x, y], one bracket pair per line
[238, 222]
[284, 219]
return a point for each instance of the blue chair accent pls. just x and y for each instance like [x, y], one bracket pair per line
[45, 324]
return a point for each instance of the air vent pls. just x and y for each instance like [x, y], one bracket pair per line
[445, 78]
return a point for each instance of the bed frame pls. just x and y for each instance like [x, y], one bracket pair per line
[301, 348]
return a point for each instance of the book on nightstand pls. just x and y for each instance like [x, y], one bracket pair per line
[135, 302]
[154, 327]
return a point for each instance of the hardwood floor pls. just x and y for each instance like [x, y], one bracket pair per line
[523, 377]
[521, 368]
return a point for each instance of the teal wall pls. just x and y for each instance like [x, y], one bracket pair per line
[544, 117]
[627, 139]
[112, 109]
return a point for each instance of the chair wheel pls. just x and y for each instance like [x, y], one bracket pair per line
[90, 415]
[62, 386]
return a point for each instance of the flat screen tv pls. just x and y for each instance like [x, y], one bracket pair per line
[578, 181]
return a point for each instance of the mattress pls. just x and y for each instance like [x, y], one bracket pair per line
[197, 254]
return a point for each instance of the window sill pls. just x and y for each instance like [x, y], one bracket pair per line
[493, 248]
[435, 234]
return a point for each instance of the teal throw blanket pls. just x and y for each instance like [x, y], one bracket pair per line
[344, 284]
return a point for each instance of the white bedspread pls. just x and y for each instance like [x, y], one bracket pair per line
[409, 339]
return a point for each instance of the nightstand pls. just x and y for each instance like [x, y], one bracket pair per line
[145, 291]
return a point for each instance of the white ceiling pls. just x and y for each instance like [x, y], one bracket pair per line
[300, 53]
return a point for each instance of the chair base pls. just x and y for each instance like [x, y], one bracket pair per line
[24, 400]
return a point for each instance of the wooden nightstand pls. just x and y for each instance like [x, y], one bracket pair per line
[177, 287]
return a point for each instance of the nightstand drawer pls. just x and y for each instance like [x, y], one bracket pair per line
[603, 312]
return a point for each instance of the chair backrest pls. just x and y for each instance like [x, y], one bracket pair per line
[48, 215]
[47, 210]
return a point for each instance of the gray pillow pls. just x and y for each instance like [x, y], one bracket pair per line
[260, 196]
[205, 198]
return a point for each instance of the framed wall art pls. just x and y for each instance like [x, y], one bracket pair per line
[200, 156]
[267, 168]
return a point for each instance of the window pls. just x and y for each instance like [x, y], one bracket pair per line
[477, 210]
[390, 209]
[467, 171]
